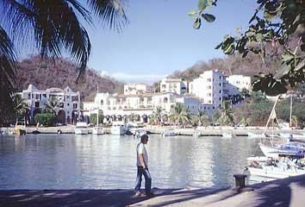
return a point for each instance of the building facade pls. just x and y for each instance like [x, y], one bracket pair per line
[173, 85]
[65, 102]
[209, 88]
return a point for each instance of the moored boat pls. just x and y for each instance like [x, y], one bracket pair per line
[81, 128]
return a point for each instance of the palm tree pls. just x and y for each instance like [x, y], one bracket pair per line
[180, 115]
[54, 25]
[52, 106]
[226, 117]
[157, 115]
[20, 107]
[203, 118]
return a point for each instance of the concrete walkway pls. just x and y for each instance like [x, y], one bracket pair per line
[286, 192]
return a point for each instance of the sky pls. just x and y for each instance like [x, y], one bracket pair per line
[159, 38]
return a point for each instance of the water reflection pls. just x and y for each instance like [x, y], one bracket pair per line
[69, 161]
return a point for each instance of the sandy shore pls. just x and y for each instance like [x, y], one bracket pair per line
[286, 192]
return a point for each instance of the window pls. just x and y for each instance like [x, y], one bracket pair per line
[75, 105]
[209, 80]
[219, 91]
[209, 87]
[102, 102]
[209, 94]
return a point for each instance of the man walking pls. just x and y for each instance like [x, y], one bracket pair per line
[142, 165]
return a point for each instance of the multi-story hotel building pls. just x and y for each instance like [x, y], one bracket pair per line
[67, 102]
[208, 87]
[173, 85]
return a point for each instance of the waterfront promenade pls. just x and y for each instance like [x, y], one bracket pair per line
[202, 131]
[284, 193]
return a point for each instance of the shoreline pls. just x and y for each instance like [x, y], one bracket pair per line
[152, 129]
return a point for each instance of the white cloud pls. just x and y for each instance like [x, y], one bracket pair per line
[134, 78]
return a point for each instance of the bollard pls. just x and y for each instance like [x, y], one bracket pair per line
[240, 180]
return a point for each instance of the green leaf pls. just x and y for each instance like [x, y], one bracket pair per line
[197, 23]
[208, 17]
[202, 4]
[193, 14]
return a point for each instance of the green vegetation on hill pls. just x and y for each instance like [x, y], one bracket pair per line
[60, 73]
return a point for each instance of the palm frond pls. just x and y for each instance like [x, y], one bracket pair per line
[111, 11]
[7, 73]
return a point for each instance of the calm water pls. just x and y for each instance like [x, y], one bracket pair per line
[107, 161]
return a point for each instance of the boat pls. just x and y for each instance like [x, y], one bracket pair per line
[118, 129]
[81, 127]
[168, 133]
[256, 135]
[269, 168]
[138, 133]
[97, 130]
[227, 135]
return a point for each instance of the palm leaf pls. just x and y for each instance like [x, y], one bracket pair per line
[7, 74]
[110, 11]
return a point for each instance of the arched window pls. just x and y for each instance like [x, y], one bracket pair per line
[102, 102]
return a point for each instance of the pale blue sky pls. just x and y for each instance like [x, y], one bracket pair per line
[159, 38]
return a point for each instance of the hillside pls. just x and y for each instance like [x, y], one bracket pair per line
[61, 73]
[251, 65]
[236, 65]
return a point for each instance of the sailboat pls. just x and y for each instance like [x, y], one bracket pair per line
[98, 130]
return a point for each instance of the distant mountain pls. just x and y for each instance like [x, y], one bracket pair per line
[61, 73]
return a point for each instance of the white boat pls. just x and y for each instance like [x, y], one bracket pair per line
[138, 133]
[227, 135]
[81, 128]
[168, 133]
[255, 135]
[118, 129]
[98, 130]
[269, 168]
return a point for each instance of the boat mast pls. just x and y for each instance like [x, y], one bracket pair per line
[290, 115]
[271, 116]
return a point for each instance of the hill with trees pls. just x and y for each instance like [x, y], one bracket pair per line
[60, 73]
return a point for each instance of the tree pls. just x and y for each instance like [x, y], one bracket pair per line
[180, 115]
[20, 107]
[157, 115]
[54, 25]
[226, 117]
[52, 106]
[200, 119]
[272, 25]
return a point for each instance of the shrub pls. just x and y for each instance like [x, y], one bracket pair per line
[46, 119]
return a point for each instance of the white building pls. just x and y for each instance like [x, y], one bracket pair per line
[240, 81]
[133, 89]
[173, 85]
[117, 107]
[209, 88]
[67, 105]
